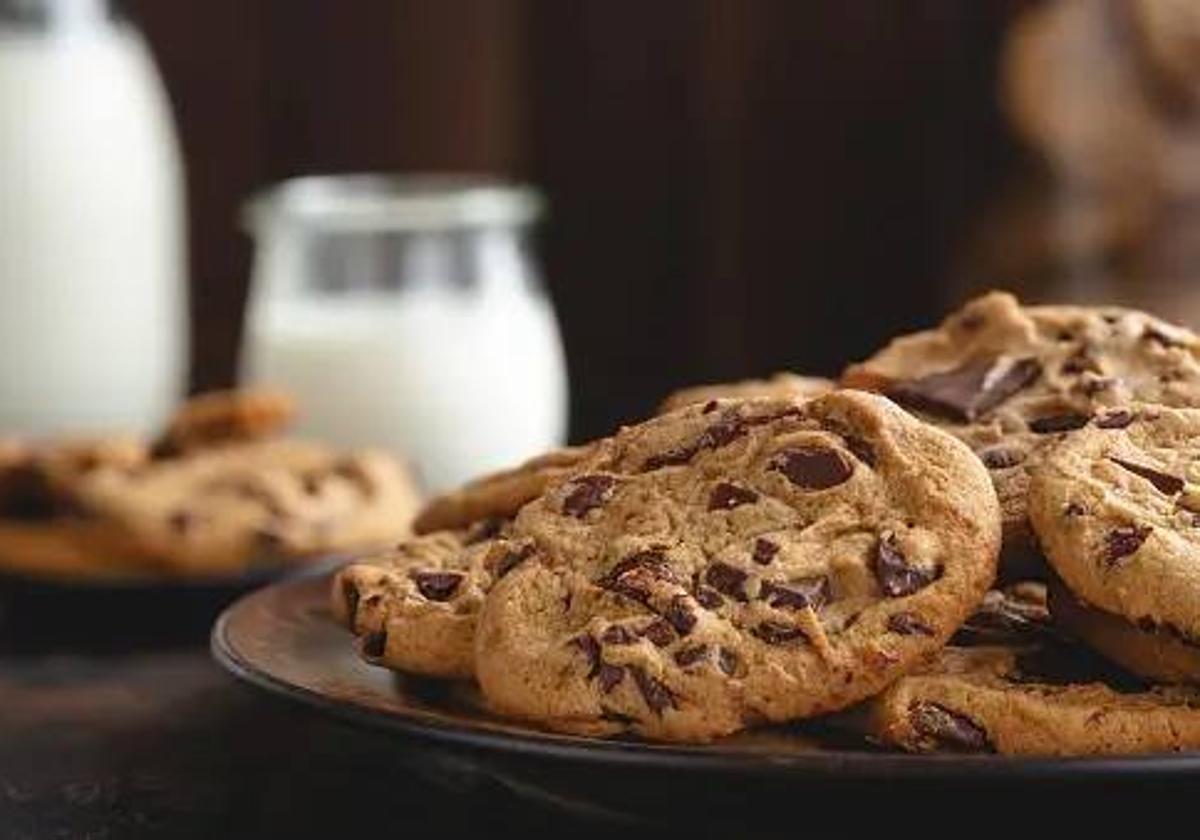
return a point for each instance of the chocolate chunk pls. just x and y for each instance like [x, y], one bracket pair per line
[721, 433]
[896, 577]
[1074, 509]
[764, 551]
[680, 616]
[797, 594]
[861, 450]
[727, 580]
[654, 692]
[1058, 423]
[633, 576]
[708, 598]
[726, 496]
[908, 624]
[658, 632]
[813, 467]
[1163, 482]
[727, 661]
[437, 586]
[1118, 418]
[1122, 542]
[690, 655]
[1161, 337]
[969, 391]
[617, 635]
[510, 560]
[374, 644]
[351, 596]
[180, 521]
[709, 407]
[588, 492]
[774, 633]
[484, 529]
[609, 676]
[947, 730]
[590, 649]
[1001, 457]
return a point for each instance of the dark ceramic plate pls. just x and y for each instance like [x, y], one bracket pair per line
[282, 639]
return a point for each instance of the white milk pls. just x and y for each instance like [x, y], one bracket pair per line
[92, 331]
[462, 382]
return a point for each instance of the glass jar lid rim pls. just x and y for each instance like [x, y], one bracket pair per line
[393, 202]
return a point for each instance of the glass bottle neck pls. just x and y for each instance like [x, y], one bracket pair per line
[54, 15]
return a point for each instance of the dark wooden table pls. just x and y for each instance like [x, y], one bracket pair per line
[164, 744]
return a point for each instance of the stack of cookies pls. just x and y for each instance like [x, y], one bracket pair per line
[219, 491]
[997, 550]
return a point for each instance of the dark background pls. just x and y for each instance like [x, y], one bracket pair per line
[734, 187]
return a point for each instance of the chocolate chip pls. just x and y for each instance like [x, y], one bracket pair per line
[690, 655]
[726, 496]
[609, 676]
[617, 635]
[588, 492]
[1160, 336]
[633, 575]
[813, 467]
[1001, 457]
[799, 594]
[708, 598]
[969, 391]
[947, 730]
[374, 644]
[764, 551]
[590, 649]
[654, 692]
[351, 596]
[908, 624]
[721, 433]
[896, 577]
[510, 560]
[437, 586]
[680, 616]
[861, 450]
[484, 529]
[727, 661]
[1122, 542]
[778, 634]
[1058, 423]
[180, 521]
[658, 632]
[1163, 482]
[709, 407]
[1116, 419]
[727, 580]
[1074, 509]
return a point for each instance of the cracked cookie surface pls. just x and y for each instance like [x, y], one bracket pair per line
[738, 561]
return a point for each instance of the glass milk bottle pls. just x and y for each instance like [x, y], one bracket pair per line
[92, 320]
[408, 313]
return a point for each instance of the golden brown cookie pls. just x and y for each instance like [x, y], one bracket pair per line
[1010, 379]
[498, 495]
[220, 417]
[784, 385]
[737, 562]
[1010, 701]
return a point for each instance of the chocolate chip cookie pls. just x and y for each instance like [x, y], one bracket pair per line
[1117, 509]
[497, 495]
[737, 562]
[414, 608]
[783, 385]
[219, 417]
[1010, 701]
[1009, 379]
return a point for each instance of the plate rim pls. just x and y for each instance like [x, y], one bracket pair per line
[833, 763]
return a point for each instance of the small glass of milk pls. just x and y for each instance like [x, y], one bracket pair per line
[408, 313]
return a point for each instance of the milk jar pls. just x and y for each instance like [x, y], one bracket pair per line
[92, 320]
[408, 313]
